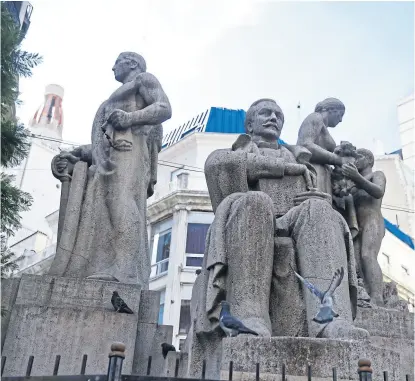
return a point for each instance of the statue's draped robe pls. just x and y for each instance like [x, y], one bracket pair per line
[241, 247]
[104, 233]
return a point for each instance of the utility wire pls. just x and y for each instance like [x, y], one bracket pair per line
[173, 164]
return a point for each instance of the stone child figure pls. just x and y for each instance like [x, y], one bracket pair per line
[265, 217]
[104, 234]
[367, 196]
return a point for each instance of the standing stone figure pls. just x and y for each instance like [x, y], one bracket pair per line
[266, 219]
[315, 136]
[103, 232]
[367, 196]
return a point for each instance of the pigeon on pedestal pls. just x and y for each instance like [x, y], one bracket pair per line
[166, 348]
[326, 313]
[230, 324]
[119, 304]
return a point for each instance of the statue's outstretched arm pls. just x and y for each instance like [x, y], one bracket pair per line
[375, 187]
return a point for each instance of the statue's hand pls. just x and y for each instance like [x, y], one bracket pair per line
[120, 120]
[347, 160]
[294, 169]
[312, 193]
[63, 159]
[350, 171]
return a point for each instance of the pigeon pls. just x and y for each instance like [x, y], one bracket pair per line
[119, 304]
[166, 348]
[326, 313]
[231, 325]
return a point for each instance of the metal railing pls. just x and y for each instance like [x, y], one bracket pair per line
[159, 268]
[116, 358]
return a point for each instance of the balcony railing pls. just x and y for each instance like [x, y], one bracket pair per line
[186, 181]
[159, 268]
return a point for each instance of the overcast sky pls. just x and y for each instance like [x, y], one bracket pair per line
[228, 54]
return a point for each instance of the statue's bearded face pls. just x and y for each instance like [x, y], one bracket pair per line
[122, 67]
[268, 121]
[334, 117]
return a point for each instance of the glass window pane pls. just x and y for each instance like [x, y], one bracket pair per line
[162, 296]
[196, 237]
[161, 313]
[163, 246]
[194, 261]
[162, 267]
[184, 324]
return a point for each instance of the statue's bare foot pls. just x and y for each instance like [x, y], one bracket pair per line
[102, 276]
[342, 329]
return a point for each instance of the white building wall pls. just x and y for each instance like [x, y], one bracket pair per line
[406, 129]
[35, 177]
[397, 261]
[398, 201]
[188, 155]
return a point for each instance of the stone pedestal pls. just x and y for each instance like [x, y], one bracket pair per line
[72, 317]
[390, 347]
[297, 352]
[390, 329]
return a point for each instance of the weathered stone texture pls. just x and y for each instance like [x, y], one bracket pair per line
[390, 329]
[148, 343]
[9, 288]
[386, 323]
[68, 317]
[296, 353]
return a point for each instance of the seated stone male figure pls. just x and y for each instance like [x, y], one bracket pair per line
[261, 197]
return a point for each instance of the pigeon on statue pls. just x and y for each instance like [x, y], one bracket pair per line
[231, 325]
[166, 348]
[326, 313]
[119, 304]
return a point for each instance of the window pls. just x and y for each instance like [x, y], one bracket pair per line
[160, 248]
[184, 324]
[162, 251]
[163, 246]
[195, 244]
[161, 310]
[385, 258]
[175, 173]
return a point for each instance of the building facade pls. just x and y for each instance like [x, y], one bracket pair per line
[34, 176]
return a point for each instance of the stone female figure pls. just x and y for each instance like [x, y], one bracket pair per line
[314, 135]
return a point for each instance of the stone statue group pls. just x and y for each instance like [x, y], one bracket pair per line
[313, 207]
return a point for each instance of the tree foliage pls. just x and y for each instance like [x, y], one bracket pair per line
[15, 140]
[8, 265]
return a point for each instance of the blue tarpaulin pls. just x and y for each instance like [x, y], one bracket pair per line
[226, 121]
[399, 234]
